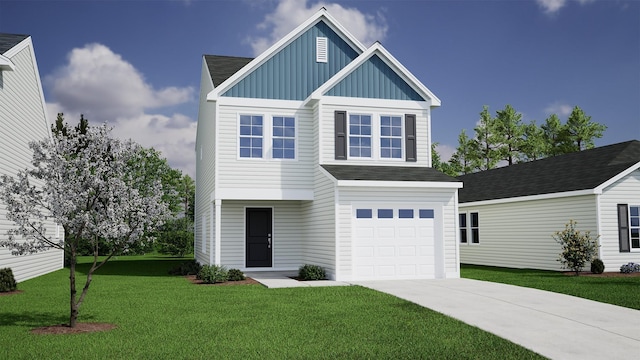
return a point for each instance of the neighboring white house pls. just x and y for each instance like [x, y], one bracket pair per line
[508, 215]
[318, 152]
[22, 119]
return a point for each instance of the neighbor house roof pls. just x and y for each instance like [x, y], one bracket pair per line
[581, 170]
[386, 173]
[7, 41]
[222, 67]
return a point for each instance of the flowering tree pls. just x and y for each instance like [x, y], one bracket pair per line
[95, 187]
[577, 248]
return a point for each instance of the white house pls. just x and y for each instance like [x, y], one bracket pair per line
[318, 152]
[508, 215]
[23, 119]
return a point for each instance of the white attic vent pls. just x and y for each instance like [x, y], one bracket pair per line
[321, 49]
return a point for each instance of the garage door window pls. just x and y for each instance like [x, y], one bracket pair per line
[364, 213]
[385, 214]
[405, 213]
[426, 214]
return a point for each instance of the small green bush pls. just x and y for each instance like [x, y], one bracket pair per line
[235, 275]
[7, 281]
[211, 274]
[578, 248]
[176, 237]
[597, 266]
[190, 267]
[311, 272]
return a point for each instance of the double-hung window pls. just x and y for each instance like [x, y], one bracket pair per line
[469, 228]
[251, 136]
[360, 136]
[629, 227]
[284, 137]
[391, 137]
[634, 226]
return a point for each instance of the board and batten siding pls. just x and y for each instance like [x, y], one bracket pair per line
[446, 234]
[288, 232]
[264, 173]
[205, 169]
[23, 119]
[520, 234]
[327, 147]
[623, 191]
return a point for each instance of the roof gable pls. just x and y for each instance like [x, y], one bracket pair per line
[583, 170]
[222, 67]
[8, 41]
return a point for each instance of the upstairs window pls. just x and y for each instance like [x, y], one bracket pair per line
[251, 135]
[284, 137]
[391, 137]
[360, 136]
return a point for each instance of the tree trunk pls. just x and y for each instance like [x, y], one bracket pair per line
[73, 316]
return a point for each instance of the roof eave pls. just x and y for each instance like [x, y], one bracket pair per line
[402, 184]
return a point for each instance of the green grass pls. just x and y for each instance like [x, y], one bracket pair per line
[166, 317]
[622, 291]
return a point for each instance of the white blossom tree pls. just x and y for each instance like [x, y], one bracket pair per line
[93, 186]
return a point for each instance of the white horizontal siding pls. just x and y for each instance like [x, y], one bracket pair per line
[623, 191]
[268, 174]
[399, 196]
[287, 237]
[519, 234]
[22, 120]
[327, 148]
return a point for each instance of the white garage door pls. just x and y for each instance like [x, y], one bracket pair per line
[393, 243]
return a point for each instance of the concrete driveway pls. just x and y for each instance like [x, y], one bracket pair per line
[554, 325]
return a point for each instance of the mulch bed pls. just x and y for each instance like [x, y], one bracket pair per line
[604, 274]
[7, 293]
[79, 329]
[247, 281]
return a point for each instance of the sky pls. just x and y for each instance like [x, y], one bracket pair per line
[136, 64]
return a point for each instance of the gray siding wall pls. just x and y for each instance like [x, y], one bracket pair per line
[623, 191]
[23, 119]
[519, 234]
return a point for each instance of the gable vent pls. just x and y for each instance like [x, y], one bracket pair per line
[321, 49]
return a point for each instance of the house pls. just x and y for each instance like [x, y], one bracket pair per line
[508, 215]
[318, 152]
[23, 119]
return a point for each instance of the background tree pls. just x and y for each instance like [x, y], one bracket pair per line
[94, 193]
[553, 134]
[488, 141]
[533, 146]
[440, 165]
[580, 131]
[509, 133]
[465, 160]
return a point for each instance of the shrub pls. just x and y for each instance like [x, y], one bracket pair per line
[630, 268]
[597, 266]
[176, 237]
[235, 275]
[311, 272]
[577, 248]
[211, 274]
[7, 281]
[190, 267]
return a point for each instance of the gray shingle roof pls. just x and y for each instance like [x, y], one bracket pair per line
[7, 41]
[386, 173]
[222, 67]
[582, 170]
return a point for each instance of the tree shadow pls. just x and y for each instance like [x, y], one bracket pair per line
[159, 267]
[34, 319]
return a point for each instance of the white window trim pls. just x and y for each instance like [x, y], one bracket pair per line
[402, 138]
[375, 136]
[469, 228]
[631, 248]
[267, 136]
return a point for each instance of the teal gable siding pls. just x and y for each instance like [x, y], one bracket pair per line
[293, 73]
[374, 79]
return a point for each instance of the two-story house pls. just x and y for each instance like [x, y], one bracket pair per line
[318, 151]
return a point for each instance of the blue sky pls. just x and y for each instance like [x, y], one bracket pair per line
[136, 64]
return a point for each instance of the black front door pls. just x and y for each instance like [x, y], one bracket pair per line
[258, 231]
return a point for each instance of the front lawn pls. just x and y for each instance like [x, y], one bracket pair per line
[622, 291]
[166, 317]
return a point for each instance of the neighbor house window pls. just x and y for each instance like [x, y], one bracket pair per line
[475, 228]
[284, 137]
[251, 136]
[360, 136]
[634, 226]
[463, 228]
[391, 137]
[469, 228]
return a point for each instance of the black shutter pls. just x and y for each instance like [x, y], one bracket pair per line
[410, 137]
[341, 135]
[623, 227]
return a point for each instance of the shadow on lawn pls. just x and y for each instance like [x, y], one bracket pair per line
[33, 319]
[151, 267]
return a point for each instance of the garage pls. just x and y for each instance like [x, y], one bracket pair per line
[393, 242]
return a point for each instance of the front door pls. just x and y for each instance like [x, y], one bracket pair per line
[258, 231]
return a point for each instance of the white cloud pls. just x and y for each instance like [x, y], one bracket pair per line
[367, 28]
[445, 151]
[104, 87]
[559, 108]
[551, 7]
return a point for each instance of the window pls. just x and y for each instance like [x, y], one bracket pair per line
[360, 136]
[251, 136]
[284, 137]
[364, 213]
[426, 213]
[405, 213]
[385, 213]
[634, 226]
[391, 137]
[469, 228]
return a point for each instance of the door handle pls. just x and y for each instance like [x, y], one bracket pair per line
[269, 240]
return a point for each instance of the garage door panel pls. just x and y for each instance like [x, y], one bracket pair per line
[407, 232]
[365, 251]
[386, 232]
[407, 270]
[386, 251]
[407, 251]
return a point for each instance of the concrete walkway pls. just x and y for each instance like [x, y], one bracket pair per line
[554, 325]
[282, 279]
